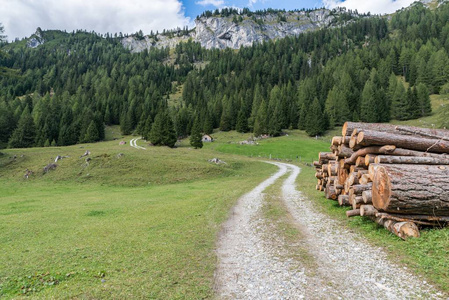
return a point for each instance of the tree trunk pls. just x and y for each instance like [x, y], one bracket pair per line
[367, 197]
[343, 200]
[349, 127]
[411, 189]
[370, 159]
[365, 179]
[344, 151]
[368, 210]
[404, 230]
[370, 150]
[386, 159]
[331, 192]
[368, 138]
[353, 213]
[324, 157]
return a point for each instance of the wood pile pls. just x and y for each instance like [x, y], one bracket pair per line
[398, 176]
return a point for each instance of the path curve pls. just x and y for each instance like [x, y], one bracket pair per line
[251, 266]
[133, 143]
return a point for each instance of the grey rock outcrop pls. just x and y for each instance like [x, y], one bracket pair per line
[224, 32]
[36, 39]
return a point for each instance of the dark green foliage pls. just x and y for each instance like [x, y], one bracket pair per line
[316, 120]
[92, 134]
[24, 135]
[196, 136]
[242, 122]
[162, 130]
[424, 99]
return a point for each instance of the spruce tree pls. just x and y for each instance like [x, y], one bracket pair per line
[414, 106]
[92, 134]
[195, 136]
[25, 133]
[424, 99]
[399, 103]
[315, 119]
[157, 129]
[242, 122]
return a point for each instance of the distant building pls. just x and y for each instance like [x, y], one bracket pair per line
[207, 138]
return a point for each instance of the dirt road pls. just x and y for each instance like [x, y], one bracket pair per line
[337, 263]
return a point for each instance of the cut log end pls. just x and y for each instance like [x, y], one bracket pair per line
[381, 188]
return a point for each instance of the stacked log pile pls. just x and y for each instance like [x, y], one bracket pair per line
[398, 176]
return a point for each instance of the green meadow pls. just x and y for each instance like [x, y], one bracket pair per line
[133, 223]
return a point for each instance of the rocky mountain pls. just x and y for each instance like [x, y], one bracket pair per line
[235, 31]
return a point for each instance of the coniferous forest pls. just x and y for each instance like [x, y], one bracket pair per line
[64, 91]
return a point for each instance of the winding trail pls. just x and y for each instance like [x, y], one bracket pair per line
[254, 264]
[133, 143]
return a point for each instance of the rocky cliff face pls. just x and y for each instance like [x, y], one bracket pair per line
[230, 32]
[36, 39]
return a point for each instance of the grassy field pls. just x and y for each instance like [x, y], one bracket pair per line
[142, 225]
[134, 223]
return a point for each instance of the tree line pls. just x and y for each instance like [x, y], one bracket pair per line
[372, 69]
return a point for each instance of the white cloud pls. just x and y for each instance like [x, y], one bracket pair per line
[375, 7]
[21, 17]
[216, 3]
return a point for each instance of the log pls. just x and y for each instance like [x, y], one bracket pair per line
[318, 187]
[370, 159]
[399, 218]
[368, 210]
[360, 162]
[342, 175]
[411, 189]
[331, 192]
[336, 140]
[317, 164]
[353, 143]
[359, 188]
[404, 230]
[332, 168]
[343, 200]
[350, 181]
[353, 213]
[368, 138]
[436, 219]
[319, 175]
[344, 151]
[365, 179]
[354, 168]
[360, 173]
[408, 152]
[356, 201]
[349, 127]
[367, 197]
[370, 150]
[386, 159]
[326, 156]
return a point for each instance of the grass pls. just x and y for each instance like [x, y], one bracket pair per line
[101, 231]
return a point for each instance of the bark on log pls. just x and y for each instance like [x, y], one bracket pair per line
[359, 188]
[349, 127]
[343, 200]
[428, 218]
[368, 138]
[326, 156]
[356, 201]
[365, 179]
[404, 230]
[367, 197]
[332, 168]
[370, 150]
[342, 175]
[411, 189]
[344, 151]
[353, 213]
[386, 159]
[331, 192]
[361, 173]
[354, 168]
[317, 164]
[319, 175]
[399, 218]
[336, 140]
[368, 210]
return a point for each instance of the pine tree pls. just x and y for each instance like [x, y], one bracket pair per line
[25, 133]
[195, 136]
[315, 119]
[260, 124]
[242, 122]
[157, 129]
[92, 134]
[276, 120]
[399, 103]
[424, 99]
[414, 106]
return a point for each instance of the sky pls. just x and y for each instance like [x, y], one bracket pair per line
[21, 17]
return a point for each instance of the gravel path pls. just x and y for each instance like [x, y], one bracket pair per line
[253, 265]
[133, 143]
